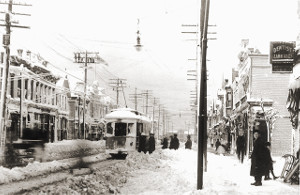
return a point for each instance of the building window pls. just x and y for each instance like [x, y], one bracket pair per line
[31, 89]
[26, 89]
[53, 96]
[12, 85]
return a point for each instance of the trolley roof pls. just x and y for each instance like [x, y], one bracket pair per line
[126, 113]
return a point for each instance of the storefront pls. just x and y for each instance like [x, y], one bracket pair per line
[293, 106]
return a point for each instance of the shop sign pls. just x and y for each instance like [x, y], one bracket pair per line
[282, 56]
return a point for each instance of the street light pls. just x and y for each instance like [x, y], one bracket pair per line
[138, 45]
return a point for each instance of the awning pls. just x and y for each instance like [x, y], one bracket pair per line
[258, 109]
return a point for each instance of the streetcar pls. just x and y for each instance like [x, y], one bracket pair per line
[124, 126]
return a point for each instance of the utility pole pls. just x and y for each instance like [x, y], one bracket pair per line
[5, 75]
[86, 59]
[154, 103]
[135, 97]
[116, 84]
[202, 128]
[147, 93]
[158, 121]
[21, 101]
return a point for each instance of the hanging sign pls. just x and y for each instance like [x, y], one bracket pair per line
[282, 56]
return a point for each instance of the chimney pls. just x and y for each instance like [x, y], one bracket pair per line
[28, 54]
[20, 52]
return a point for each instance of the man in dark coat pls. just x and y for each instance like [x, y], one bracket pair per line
[241, 146]
[188, 143]
[165, 143]
[171, 142]
[151, 143]
[142, 144]
[218, 143]
[176, 142]
[258, 159]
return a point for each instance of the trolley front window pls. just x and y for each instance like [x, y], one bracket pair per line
[120, 129]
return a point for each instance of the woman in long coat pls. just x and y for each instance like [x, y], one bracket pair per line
[258, 159]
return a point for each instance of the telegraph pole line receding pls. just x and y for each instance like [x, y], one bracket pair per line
[5, 72]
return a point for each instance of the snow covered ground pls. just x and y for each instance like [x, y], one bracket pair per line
[177, 174]
[162, 172]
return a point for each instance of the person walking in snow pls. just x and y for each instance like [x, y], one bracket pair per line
[269, 162]
[165, 143]
[142, 143]
[218, 143]
[175, 142]
[188, 143]
[258, 159]
[171, 142]
[151, 143]
[241, 146]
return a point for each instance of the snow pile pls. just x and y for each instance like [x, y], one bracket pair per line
[177, 174]
[62, 151]
[31, 170]
[166, 172]
[72, 148]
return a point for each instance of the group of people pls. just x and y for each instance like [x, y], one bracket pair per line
[174, 142]
[146, 145]
[261, 160]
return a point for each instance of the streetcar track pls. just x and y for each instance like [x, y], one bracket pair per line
[32, 183]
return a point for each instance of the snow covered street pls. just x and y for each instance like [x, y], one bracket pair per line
[177, 174]
[162, 172]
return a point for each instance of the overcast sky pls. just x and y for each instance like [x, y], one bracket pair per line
[59, 28]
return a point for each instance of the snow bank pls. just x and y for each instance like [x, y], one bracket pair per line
[162, 172]
[58, 154]
[72, 148]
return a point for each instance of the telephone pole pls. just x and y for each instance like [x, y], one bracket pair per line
[147, 93]
[158, 121]
[85, 59]
[135, 97]
[118, 84]
[202, 128]
[154, 103]
[5, 74]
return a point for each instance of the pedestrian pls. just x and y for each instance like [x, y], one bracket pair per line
[151, 143]
[165, 143]
[142, 143]
[258, 159]
[176, 142]
[270, 162]
[241, 146]
[188, 143]
[217, 144]
[171, 142]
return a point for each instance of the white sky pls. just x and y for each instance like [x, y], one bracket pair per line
[59, 28]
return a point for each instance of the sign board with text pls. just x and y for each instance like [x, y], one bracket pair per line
[282, 56]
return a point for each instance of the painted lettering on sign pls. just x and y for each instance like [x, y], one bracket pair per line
[282, 52]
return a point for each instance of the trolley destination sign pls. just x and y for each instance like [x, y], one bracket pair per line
[282, 55]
